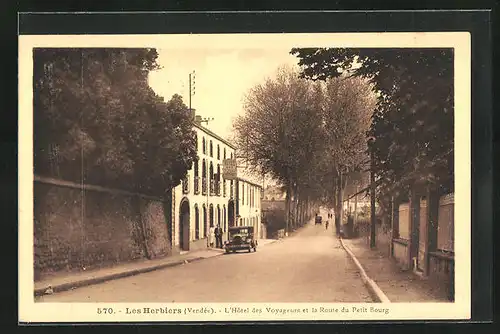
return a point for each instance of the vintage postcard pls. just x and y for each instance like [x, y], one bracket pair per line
[244, 177]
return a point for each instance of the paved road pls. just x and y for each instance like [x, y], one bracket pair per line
[310, 266]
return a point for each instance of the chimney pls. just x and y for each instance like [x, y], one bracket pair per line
[192, 113]
[197, 119]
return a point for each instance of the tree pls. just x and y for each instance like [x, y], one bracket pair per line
[348, 106]
[96, 120]
[309, 136]
[412, 126]
[278, 134]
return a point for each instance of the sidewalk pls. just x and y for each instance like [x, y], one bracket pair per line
[398, 285]
[69, 281]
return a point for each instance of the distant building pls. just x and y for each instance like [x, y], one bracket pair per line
[274, 193]
[248, 204]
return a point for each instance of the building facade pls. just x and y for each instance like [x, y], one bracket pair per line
[205, 199]
[249, 205]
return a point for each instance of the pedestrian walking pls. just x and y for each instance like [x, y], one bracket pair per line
[326, 225]
[218, 236]
[211, 237]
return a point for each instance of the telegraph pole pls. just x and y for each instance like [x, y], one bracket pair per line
[192, 92]
[192, 88]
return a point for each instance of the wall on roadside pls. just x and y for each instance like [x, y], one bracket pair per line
[77, 229]
[383, 235]
[263, 231]
[155, 226]
[441, 261]
[274, 219]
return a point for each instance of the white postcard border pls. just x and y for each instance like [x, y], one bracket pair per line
[29, 311]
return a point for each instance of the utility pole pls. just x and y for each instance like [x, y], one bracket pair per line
[192, 92]
[192, 88]
[372, 200]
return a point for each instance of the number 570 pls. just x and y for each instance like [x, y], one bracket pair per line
[105, 310]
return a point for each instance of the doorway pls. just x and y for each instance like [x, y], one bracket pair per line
[230, 212]
[184, 218]
[211, 215]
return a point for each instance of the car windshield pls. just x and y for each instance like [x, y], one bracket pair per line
[243, 232]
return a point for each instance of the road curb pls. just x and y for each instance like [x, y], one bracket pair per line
[96, 280]
[376, 293]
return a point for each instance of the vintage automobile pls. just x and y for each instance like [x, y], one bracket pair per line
[240, 238]
[318, 220]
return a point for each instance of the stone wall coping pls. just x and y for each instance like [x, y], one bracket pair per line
[74, 185]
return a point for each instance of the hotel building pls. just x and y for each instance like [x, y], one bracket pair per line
[205, 198]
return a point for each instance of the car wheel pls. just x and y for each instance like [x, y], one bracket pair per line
[255, 249]
[227, 251]
[249, 250]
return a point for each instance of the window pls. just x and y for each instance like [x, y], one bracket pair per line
[218, 215]
[196, 141]
[224, 153]
[196, 222]
[242, 194]
[231, 155]
[203, 177]
[196, 167]
[204, 144]
[224, 218]
[218, 152]
[211, 215]
[211, 149]
[205, 221]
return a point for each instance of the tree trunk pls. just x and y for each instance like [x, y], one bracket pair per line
[299, 211]
[287, 207]
[292, 208]
[356, 207]
[307, 213]
[297, 201]
[348, 205]
[339, 209]
[372, 206]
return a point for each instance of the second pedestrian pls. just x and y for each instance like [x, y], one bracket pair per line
[218, 236]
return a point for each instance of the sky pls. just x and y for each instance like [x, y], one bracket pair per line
[222, 78]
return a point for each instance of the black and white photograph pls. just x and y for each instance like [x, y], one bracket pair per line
[245, 177]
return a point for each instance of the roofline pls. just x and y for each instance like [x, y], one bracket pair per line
[239, 178]
[213, 134]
